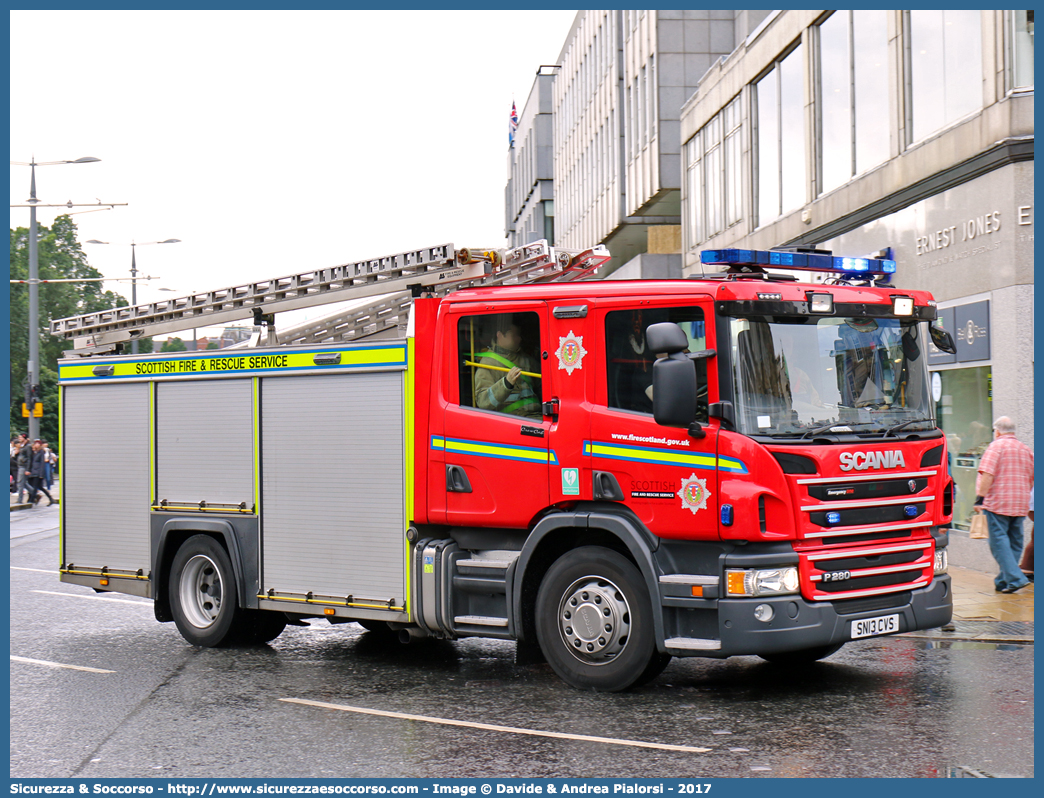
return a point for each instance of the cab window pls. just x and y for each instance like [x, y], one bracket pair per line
[499, 363]
[629, 361]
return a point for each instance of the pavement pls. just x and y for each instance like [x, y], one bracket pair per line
[979, 612]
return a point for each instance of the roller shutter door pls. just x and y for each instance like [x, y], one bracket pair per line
[204, 442]
[333, 485]
[105, 476]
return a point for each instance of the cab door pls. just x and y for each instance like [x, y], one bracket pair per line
[495, 446]
[669, 478]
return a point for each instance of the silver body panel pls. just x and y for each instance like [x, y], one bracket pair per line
[205, 442]
[333, 485]
[105, 477]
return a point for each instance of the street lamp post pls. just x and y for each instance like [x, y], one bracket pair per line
[134, 272]
[34, 288]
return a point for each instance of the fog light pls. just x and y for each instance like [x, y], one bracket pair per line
[942, 562]
[764, 613]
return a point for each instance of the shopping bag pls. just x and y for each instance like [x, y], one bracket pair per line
[979, 530]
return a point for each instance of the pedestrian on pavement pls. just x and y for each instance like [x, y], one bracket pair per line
[49, 460]
[16, 445]
[1026, 563]
[1005, 482]
[37, 469]
[24, 461]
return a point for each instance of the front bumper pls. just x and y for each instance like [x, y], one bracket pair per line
[799, 624]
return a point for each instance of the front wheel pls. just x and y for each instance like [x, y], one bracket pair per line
[203, 593]
[594, 621]
[802, 657]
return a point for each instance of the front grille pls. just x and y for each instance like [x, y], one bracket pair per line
[866, 570]
[882, 489]
[869, 515]
[839, 510]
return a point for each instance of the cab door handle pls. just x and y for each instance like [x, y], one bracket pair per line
[605, 486]
[457, 480]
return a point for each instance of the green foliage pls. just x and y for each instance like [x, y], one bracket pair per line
[60, 257]
[174, 345]
[213, 345]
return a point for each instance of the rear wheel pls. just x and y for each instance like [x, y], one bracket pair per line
[203, 593]
[802, 657]
[594, 621]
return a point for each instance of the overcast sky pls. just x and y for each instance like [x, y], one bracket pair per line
[271, 142]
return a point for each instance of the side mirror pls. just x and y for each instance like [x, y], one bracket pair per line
[942, 339]
[674, 391]
[666, 337]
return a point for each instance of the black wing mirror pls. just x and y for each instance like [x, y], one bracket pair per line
[942, 339]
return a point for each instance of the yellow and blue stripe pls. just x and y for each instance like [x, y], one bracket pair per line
[497, 451]
[654, 456]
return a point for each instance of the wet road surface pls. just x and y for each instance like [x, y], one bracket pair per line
[881, 707]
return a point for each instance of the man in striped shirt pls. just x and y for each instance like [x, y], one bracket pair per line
[1005, 481]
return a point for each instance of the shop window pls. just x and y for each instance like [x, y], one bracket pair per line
[629, 362]
[965, 413]
[493, 348]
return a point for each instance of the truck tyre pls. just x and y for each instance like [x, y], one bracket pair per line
[203, 594]
[802, 657]
[260, 626]
[594, 621]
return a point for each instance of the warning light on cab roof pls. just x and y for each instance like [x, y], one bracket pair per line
[811, 261]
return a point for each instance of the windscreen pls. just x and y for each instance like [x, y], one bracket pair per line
[795, 376]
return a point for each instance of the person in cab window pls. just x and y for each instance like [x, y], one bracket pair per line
[507, 380]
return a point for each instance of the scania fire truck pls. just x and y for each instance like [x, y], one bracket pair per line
[487, 443]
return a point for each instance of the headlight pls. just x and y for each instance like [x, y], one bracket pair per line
[942, 562]
[761, 582]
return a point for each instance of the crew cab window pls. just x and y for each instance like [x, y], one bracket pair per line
[499, 363]
[629, 362]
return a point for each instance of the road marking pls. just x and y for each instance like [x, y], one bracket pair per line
[95, 598]
[34, 570]
[490, 727]
[57, 665]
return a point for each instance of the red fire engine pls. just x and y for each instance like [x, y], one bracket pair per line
[611, 473]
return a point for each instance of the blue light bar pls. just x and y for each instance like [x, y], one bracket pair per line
[817, 262]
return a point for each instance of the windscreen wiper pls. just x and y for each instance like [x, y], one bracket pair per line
[830, 426]
[898, 427]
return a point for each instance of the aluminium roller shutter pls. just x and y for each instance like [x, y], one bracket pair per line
[105, 476]
[333, 485]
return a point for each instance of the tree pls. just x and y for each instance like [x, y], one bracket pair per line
[60, 256]
[174, 345]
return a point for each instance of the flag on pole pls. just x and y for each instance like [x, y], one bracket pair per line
[512, 125]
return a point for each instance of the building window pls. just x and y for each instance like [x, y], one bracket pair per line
[694, 188]
[945, 68]
[780, 103]
[1022, 49]
[853, 95]
[713, 175]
